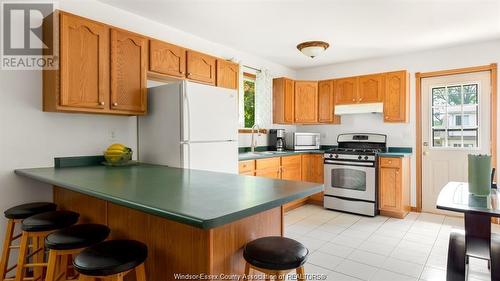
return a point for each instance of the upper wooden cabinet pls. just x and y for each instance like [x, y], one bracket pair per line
[326, 103]
[167, 59]
[346, 90]
[82, 82]
[396, 100]
[201, 67]
[128, 72]
[370, 88]
[283, 101]
[227, 74]
[306, 101]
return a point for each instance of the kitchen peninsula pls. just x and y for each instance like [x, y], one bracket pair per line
[193, 221]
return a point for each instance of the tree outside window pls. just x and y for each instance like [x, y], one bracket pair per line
[248, 100]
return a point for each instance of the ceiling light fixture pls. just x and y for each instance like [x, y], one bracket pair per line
[313, 48]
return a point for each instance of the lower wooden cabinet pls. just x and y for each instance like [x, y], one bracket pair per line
[394, 186]
[291, 168]
[303, 167]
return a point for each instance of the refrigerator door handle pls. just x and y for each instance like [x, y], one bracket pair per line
[186, 155]
[187, 113]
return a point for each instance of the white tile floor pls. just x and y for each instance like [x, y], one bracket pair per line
[349, 247]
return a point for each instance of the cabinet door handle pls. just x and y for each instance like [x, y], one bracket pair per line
[101, 103]
[360, 99]
[181, 72]
[387, 117]
[115, 104]
[189, 74]
[354, 99]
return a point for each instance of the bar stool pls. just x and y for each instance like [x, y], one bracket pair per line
[64, 243]
[14, 216]
[36, 228]
[112, 260]
[275, 256]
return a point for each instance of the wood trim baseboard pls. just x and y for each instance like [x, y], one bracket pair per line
[415, 209]
[492, 68]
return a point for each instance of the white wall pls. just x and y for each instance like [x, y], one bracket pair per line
[398, 134]
[32, 138]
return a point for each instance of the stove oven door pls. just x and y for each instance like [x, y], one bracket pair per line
[351, 180]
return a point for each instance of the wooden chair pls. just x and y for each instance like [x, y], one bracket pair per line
[35, 229]
[275, 256]
[112, 260]
[14, 217]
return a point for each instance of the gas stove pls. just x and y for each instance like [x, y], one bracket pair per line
[357, 147]
[350, 173]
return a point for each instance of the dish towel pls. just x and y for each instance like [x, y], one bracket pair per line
[479, 174]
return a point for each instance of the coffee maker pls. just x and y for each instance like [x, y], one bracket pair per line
[277, 139]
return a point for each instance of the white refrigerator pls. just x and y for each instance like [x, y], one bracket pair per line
[192, 126]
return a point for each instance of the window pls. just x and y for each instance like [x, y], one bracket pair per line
[455, 112]
[248, 100]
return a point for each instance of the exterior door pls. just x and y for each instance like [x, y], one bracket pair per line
[455, 123]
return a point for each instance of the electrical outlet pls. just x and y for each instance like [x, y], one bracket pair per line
[112, 135]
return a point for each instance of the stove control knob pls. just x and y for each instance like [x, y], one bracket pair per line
[366, 157]
[330, 156]
[360, 157]
[336, 156]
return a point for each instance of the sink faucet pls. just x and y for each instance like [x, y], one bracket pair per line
[254, 141]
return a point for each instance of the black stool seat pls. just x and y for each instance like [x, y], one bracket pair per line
[275, 253]
[27, 210]
[110, 257]
[50, 221]
[77, 236]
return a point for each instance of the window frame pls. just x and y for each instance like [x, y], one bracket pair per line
[478, 119]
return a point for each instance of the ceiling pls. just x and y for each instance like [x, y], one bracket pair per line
[355, 29]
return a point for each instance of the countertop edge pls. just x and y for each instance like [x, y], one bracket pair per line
[203, 224]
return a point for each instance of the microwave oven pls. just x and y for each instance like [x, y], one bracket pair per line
[302, 141]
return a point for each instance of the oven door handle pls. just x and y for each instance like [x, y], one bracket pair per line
[348, 163]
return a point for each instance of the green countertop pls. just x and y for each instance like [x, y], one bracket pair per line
[198, 198]
[393, 154]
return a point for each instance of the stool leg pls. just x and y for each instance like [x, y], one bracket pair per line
[4, 263]
[21, 259]
[63, 268]
[51, 267]
[300, 273]
[140, 273]
[38, 243]
[247, 270]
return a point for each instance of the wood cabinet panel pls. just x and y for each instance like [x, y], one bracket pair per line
[201, 67]
[394, 186]
[326, 103]
[346, 90]
[84, 63]
[167, 59]
[273, 173]
[396, 99]
[227, 74]
[306, 101]
[370, 88]
[268, 168]
[128, 72]
[246, 166]
[312, 168]
[291, 168]
[283, 101]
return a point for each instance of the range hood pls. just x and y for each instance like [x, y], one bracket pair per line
[359, 108]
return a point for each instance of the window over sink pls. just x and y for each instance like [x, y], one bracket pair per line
[248, 111]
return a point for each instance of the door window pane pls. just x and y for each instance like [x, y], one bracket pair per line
[438, 96]
[455, 115]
